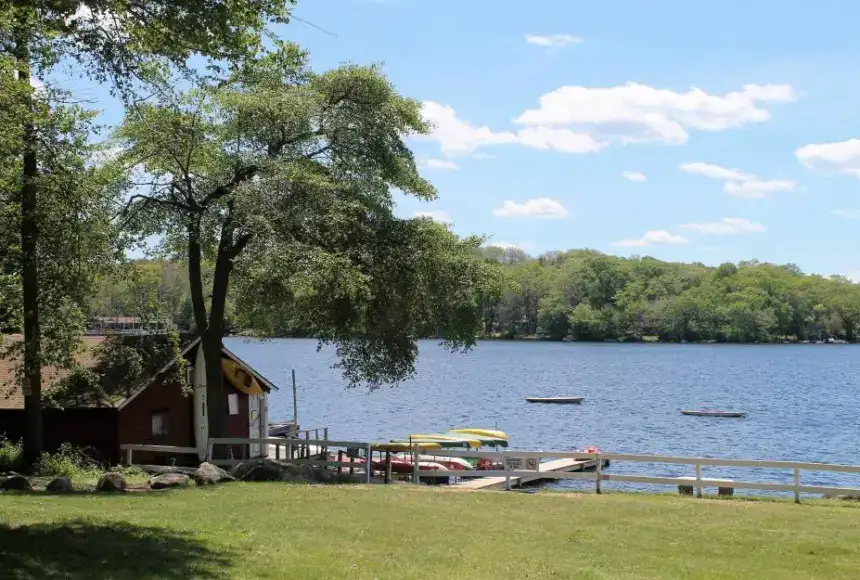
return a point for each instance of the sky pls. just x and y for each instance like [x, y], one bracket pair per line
[680, 130]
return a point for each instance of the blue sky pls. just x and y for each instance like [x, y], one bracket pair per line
[732, 121]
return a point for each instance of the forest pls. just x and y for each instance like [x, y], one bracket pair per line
[588, 295]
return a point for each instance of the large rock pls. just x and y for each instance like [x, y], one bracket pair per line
[843, 496]
[111, 482]
[170, 480]
[208, 474]
[15, 482]
[60, 485]
[265, 470]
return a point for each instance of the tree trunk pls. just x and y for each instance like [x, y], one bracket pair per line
[32, 376]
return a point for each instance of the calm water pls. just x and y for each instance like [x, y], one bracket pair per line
[803, 400]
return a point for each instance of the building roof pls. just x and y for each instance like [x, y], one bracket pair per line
[11, 396]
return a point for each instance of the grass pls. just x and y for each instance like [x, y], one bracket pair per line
[298, 531]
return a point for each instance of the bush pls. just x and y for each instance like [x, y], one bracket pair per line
[68, 461]
[11, 455]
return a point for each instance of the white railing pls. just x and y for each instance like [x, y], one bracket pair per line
[129, 448]
[699, 482]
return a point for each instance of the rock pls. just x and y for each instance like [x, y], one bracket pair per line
[162, 469]
[111, 482]
[170, 480]
[60, 485]
[265, 470]
[15, 482]
[843, 497]
[208, 474]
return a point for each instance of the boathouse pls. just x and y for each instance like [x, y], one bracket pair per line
[96, 408]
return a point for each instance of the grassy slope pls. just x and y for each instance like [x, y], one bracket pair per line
[285, 531]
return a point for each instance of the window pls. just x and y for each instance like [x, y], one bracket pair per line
[160, 422]
[233, 403]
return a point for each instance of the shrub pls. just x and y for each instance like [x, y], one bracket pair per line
[11, 454]
[68, 461]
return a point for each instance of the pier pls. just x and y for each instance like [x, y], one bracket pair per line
[563, 465]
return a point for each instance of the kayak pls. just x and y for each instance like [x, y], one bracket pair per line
[493, 433]
[458, 439]
[452, 463]
[404, 445]
[443, 443]
[709, 413]
[486, 440]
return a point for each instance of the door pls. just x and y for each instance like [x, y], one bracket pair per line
[201, 419]
[255, 423]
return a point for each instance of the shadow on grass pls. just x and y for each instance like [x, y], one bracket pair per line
[79, 549]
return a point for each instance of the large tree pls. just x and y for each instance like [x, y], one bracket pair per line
[121, 41]
[283, 178]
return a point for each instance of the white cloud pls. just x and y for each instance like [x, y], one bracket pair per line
[837, 157]
[537, 208]
[757, 188]
[638, 113]
[716, 172]
[553, 40]
[524, 246]
[739, 183]
[633, 176]
[441, 217]
[652, 237]
[726, 227]
[849, 214]
[458, 137]
[440, 164]
[563, 140]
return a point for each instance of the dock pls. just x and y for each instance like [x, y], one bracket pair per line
[556, 465]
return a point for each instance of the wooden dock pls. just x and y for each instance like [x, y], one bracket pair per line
[556, 465]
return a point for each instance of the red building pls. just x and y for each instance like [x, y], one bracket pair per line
[157, 412]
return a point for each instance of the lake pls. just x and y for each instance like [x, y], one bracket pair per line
[803, 401]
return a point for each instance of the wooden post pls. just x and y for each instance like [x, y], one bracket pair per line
[699, 493]
[387, 478]
[128, 456]
[368, 463]
[599, 471]
[278, 451]
[507, 475]
[295, 402]
[796, 485]
[340, 460]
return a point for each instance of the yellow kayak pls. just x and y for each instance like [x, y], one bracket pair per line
[403, 446]
[495, 434]
[240, 378]
[463, 441]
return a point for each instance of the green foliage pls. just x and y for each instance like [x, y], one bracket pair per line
[11, 454]
[586, 295]
[68, 461]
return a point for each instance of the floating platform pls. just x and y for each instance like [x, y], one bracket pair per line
[707, 413]
[556, 465]
[556, 400]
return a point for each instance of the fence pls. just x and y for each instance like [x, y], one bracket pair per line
[129, 449]
[698, 482]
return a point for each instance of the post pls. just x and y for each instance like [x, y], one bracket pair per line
[278, 451]
[209, 449]
[339, 461]
[699, 493]
[368, 464]
[387, 476]
[796, 485]
[295, 402]
[507, 474]
[128, 456]
[597, 474]
[416, 468]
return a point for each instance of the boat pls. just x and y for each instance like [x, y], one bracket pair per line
[442, 443]
[404, 445]
[448, 440]
[713, 413]
[450, 463]
[556, 400]
[493, 433]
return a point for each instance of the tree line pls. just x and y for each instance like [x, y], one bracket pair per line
[587, 295]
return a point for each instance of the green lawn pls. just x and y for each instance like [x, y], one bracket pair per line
[292, 531]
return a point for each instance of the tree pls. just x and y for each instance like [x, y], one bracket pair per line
[115, 40]
[283, 179]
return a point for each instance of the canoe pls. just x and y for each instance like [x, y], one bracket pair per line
[443, 443]
[493, 433]
[708, 413]
[452, 463]
[556, 400]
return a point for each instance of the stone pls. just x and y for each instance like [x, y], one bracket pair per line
[60, 485]
[15, 482]
[111, 482]
[266, 470]
[843, 496]
[208, 474]
[168, 480]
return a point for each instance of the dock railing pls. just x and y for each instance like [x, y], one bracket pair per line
[511, 458]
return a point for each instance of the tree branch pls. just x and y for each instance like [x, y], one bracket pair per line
[242, 175]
